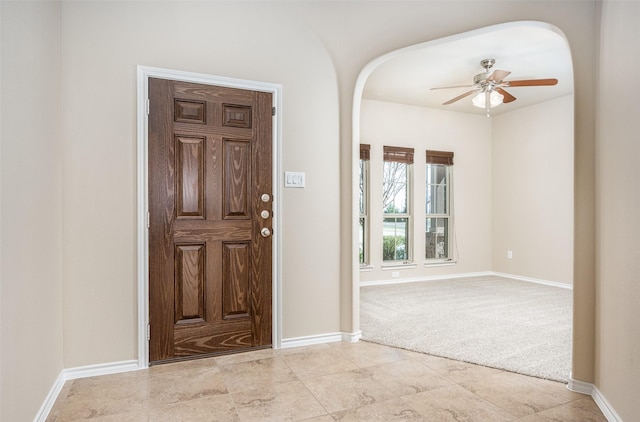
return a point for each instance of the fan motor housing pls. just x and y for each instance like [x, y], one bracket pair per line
[480, 78]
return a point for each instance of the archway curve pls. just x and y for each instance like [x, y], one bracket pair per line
[356, 126]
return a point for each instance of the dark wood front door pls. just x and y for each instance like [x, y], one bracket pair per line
[210, 222]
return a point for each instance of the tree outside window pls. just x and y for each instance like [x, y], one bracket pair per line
[396, 204]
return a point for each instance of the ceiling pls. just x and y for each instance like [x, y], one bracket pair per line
[529, 50]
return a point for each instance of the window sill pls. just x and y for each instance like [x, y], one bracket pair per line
[366, 268]
[398, 266]
[445, 263]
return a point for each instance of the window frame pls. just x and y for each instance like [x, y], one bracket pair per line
[364, 259]
[440, 158]
[405, 156]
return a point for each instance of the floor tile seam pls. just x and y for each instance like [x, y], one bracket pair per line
[231, 356]
[444, 373]
[193, 368]
[587, 398]
[220, 366]
[579, 396]
[301, 377]
[468, 382]
[369, 377]
[233, 391]
[437, 371]
[488, 400]
[298, 377]
[237, 406]
[316, 399]
[437, 376]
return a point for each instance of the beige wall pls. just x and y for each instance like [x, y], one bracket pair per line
[618, 211]
[316, 50]
[468, 136]
[513, 186]
[31, 191]
[533, 191]
[257, 43]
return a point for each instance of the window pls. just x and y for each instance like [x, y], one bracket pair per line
[363, 229]
[396, 202]
[438, 205]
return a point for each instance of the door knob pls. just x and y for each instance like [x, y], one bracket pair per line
[265, 232]
[265, 197]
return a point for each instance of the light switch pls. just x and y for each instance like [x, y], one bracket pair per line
[293, 179]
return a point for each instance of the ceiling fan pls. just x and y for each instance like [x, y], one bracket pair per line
[489, 87]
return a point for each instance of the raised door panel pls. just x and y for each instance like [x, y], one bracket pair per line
[236, 280]
[234, 115]
[237, 178]
[190, 177]
[189, 283]
[189, 111]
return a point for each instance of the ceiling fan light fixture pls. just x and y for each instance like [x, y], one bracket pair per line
[480, 100]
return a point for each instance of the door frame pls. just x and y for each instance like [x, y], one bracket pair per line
[143, 75]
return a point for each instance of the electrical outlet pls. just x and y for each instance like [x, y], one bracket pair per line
[509, 254]
[395, 274]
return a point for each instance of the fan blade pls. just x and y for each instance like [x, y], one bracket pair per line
[507, 97]
[532, 82]
[459, 97]
[498, 75]
[447, 87]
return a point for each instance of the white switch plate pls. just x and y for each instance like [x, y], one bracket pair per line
[509, 254]
[293, 179]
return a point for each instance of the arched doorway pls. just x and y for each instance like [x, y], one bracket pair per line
[395, 88]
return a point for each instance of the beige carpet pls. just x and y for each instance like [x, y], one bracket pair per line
[502, 323]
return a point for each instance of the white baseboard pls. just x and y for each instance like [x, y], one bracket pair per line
[580, 387]
[100, 369]
[465, 275]
[320, 338]
[534, 280]
[429, 278]
[81, 372]
[352, 337]
[589, 389]
[43, 413]
[607, 410]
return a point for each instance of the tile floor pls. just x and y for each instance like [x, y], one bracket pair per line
[328, 382]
